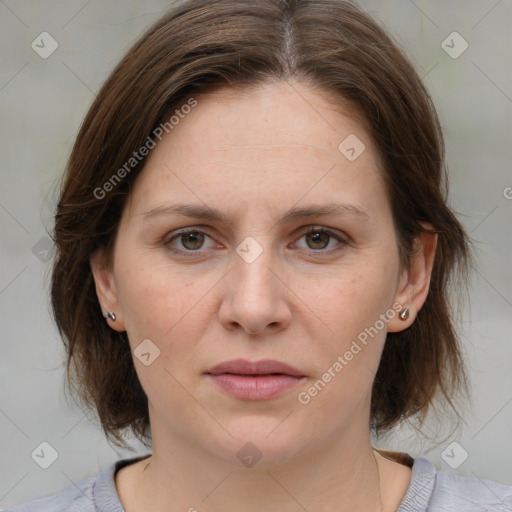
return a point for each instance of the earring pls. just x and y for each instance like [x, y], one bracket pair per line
[404, 315]
[111, 315]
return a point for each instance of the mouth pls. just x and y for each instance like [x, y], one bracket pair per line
[259, 380]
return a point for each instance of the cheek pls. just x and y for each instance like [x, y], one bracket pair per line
[347, 359]
[154, 297]
[351, 303]
[351, 299]
[165, 307]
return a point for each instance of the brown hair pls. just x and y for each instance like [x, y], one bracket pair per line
[199, 44]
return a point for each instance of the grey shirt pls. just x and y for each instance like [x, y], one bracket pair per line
[429, 491]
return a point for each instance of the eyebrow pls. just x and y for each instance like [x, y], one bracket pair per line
[204, 212]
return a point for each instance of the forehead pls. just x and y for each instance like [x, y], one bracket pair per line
[281, 139]
[290, 113]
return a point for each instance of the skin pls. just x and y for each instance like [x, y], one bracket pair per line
[254, 154]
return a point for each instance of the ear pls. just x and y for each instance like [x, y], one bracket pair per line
[415, 282]
[106, 290]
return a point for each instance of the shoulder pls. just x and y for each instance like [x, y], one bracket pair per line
[89, 495]
[435, 491]
[471, 494]
[76, 498]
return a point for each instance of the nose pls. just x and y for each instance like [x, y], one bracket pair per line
[255, 296]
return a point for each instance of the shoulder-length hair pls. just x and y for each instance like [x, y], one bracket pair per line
[200, 44]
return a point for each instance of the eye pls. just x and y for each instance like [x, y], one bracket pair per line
[192, 240]
[318, 238]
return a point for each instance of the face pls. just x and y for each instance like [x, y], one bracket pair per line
[254, 283]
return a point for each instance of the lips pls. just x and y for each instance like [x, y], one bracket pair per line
[261, 380]
[263, 367]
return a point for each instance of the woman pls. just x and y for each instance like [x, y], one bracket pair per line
[254, 263]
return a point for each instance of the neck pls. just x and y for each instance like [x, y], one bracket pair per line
[342, 476]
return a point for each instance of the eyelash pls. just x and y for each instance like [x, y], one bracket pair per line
[310, 230]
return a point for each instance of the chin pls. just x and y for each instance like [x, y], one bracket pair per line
[256, 443]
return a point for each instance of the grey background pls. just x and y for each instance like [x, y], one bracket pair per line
[43, 102]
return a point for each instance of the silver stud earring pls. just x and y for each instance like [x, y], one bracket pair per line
[404, 315]
[111, 315]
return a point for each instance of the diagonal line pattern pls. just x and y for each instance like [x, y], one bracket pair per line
[423, 77]
[7, 7]
[307, 192]
[269, 268]
[280, 423]
[184, 184]
[491, 491]
[2, 497]
[299, 94]
[78, 78]
[199, 403]
[13, 279]
[75, 15]
[13, 77]
[217, 486]
[424, 13]
[79, 421]
[501, 408]
[14, 218]
[14, 423]
[494, 288]
[198, 301]
[492, 81]
[488, 215]
[485, 15]
[301, 300]
[75, 485]
[286, 491]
